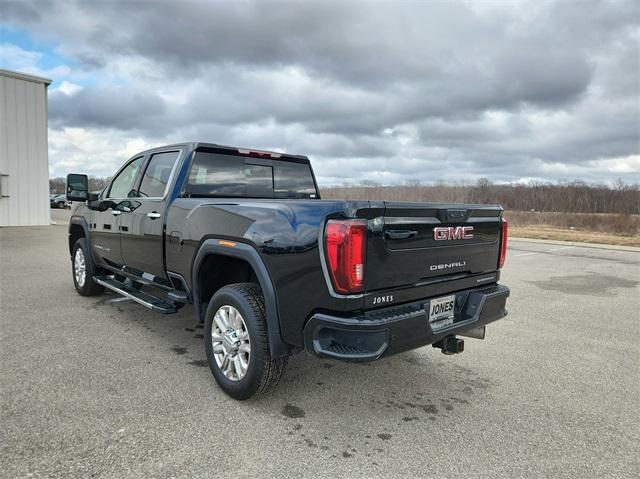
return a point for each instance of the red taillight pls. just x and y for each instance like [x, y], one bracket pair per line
[344, 245]
[503, 244]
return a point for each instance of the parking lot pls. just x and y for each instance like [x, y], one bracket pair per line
[101, 387]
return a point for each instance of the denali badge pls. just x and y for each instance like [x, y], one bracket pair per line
[457, 264]
[441, 233]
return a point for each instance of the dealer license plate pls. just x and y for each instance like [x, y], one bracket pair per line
[441, 312]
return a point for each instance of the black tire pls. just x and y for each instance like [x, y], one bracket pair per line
[61, 205]
[263, 371]
[89, 287]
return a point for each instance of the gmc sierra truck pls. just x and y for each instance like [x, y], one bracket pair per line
[271, 269]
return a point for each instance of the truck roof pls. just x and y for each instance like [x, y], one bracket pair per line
[194, 145]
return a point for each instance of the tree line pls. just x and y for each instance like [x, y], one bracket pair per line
[568, 197]
[57, 185]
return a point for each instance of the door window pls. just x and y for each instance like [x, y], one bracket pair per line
[122, 185]
[156, 176]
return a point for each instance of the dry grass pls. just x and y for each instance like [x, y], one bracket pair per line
[601, 228]
[612, 224]
[563, 234]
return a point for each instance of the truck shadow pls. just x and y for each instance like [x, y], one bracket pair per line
[338, 409]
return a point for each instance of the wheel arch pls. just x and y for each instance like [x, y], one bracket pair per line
[78, 228]
[242, 263]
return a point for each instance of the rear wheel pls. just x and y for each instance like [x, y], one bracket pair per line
[84, 269]
[236, 342]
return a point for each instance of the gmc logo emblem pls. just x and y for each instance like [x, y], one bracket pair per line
[442, 233]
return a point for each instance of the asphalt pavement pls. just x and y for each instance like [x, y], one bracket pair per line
[102, 387]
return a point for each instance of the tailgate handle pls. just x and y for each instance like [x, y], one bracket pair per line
[400, 234]
[456, 215]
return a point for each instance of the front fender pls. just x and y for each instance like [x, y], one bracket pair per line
[78, 221]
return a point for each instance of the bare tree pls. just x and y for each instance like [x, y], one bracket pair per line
[570, 197]
[57, 184]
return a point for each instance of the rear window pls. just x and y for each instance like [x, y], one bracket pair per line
[216, 174]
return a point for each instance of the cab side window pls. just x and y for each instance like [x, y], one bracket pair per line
[122, 186]
[156, 176]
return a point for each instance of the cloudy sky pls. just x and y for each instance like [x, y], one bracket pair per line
[386, 92]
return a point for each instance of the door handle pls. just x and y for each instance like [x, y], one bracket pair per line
[400, 234]
[116, 212]
[153, 215]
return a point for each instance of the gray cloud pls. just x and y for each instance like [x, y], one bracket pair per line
[107, 106]
[403, 91]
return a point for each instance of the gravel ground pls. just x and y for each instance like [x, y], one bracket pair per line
[101, 387]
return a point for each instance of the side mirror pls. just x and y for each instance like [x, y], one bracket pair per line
[77, 187]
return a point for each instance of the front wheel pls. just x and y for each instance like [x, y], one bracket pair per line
[84, 269]
[237, 344]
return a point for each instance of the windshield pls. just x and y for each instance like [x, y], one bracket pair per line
[221, 175]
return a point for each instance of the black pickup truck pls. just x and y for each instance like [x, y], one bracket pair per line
[271, 269]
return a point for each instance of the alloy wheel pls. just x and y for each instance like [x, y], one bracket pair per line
[80, 267]
[230, 342]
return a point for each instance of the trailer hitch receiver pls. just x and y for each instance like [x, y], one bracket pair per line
[450, 345]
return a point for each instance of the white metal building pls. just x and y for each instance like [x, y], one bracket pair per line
[24, 157]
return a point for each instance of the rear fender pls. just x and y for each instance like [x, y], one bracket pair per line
[277, 347]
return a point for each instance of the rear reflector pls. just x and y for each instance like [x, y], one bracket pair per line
[344, 247]
[503, 243]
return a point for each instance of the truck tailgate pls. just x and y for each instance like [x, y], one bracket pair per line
[416, 242]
